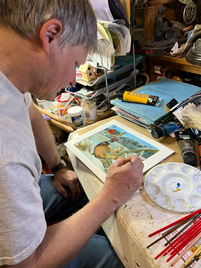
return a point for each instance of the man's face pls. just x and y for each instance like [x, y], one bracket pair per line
[60, 70]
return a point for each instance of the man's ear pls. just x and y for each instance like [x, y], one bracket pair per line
[49, 32]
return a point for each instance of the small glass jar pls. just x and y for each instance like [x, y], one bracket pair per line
[90, 110]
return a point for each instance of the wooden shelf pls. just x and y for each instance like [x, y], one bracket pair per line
[173, 63]
[159, 2]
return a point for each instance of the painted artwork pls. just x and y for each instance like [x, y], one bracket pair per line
[99, 148]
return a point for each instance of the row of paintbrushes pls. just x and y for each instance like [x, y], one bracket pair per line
[185, 233]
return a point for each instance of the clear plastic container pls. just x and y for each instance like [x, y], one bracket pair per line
[90, 110]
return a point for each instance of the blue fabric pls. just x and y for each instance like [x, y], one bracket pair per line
[98, 252]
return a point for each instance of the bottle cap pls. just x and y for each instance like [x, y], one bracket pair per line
[172, 103]
[157, 133]
[158, 102]
[120, 95]
[190, 158]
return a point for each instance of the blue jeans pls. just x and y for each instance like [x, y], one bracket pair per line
[98, 252]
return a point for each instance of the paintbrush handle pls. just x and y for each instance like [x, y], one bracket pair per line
[184, 236]
[167, 233]
[178, 221]
[193, 254]
[186, 249]
[168, 247]
[188, 224]
[183, 244]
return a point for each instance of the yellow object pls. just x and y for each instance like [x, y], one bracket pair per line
[126, 7]
[140, 98]
[192, 255]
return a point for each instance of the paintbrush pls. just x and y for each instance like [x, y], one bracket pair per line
[192, 256]
[186, 249]
[181, 239]
[178, 221]
[169, 232]
[195, 259]
[187, 225]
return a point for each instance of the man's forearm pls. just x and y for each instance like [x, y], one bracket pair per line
[65, 239]
[44, 141]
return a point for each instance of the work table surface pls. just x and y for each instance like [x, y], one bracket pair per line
[129, 227]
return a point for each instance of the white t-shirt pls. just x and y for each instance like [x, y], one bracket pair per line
[22, 221]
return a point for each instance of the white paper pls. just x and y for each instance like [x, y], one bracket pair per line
[85, 146]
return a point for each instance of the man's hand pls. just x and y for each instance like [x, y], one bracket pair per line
[64, 177]
[123, 179]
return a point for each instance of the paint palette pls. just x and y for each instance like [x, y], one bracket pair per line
[174, 186]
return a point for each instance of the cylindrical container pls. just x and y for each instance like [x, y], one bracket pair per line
[131, 96]
[163, 130]
[76, 116]
[186, 146]
[90, 110]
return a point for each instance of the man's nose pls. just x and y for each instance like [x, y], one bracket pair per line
[73, 82]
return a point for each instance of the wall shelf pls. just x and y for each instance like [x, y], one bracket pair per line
[171, 62]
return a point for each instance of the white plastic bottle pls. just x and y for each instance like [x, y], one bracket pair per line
[76, 116]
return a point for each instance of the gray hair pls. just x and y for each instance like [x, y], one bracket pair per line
[26, 17]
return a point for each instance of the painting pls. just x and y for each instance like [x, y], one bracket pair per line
[100, 147]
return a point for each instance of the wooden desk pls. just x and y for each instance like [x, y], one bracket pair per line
[69, 127]
[129, 227]
[173, 63]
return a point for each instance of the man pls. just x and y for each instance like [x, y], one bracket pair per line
[42, 43]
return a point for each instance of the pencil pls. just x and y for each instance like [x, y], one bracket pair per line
[192, 255]
[186, 249]
[178, 221]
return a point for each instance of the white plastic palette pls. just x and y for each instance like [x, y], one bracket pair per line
[174, 186]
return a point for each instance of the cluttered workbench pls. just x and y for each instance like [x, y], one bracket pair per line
[171, 189]
[129, 228]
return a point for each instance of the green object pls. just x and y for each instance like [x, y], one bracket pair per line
[132, 20]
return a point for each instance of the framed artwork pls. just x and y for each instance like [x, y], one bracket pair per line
[100, 147]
